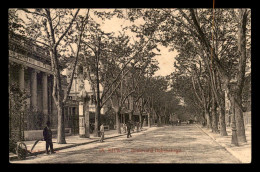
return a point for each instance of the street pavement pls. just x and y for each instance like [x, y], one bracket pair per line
[167, 144]
[243, 152]
[71, 141]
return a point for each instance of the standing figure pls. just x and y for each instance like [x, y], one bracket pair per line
[102, 131]
[47, 135]
[90, 128]
[133, 124]
[128, 125]
[137, 126]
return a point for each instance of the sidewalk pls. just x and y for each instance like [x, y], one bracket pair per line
[241, 152]
[72, 141]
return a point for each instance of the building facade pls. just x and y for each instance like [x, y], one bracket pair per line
[30, 68]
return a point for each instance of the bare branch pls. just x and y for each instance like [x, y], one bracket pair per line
[193, 84]
[54, 89]
[36, 13]
[113, 91]
[57, 23]
[94, 50]
[66, 31]
[42, 43]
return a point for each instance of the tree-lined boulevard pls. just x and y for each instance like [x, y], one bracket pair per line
[168, 144]
[209, 86]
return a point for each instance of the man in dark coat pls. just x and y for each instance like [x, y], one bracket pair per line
[128, 125]
[47, 135]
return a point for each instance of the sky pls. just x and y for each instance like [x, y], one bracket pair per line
[166, 59]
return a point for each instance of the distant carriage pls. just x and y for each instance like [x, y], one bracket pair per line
[175, 123]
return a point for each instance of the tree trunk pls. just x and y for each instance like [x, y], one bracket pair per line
[241, 136]
[204, 120]
[214, 118]
[97, 121]
[98, 108]
[241, 75]
[234, 139]
[118, 127]
[140, 118]
[131, 115]
[149, 120]
[159, 123]
[61, 126]
[242, 22]
[223, 131]
[208, 118]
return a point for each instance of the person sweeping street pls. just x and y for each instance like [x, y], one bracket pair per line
[47, 136]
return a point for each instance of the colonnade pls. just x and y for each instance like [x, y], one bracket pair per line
[40, 100]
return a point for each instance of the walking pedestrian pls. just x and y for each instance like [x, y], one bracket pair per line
[102, 132]
[137, 126]
[132, 126]
[47, 135]
[128, 125]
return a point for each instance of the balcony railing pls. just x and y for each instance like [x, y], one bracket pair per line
[28, 60]
[29, 46]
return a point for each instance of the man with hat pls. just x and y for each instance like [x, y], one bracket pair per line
[47, 135]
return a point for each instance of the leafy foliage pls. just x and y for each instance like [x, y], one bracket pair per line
[17, 110]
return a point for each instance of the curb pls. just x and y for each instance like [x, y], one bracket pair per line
[15, 157]
[222, 145]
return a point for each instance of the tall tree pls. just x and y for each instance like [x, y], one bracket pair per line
[49, 27]
[222, 53]
[108, 59]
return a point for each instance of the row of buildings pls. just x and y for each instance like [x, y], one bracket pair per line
[30, 69]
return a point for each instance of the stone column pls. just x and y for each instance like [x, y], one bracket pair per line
[84, 114]
[21, 78]
[31, 120]
[45, 97]
[81, 120]
[71, 117]
[34, 88]
[21, 86]
[68, 117]
[75, 118]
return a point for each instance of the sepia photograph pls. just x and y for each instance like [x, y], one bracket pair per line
[129, 85]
